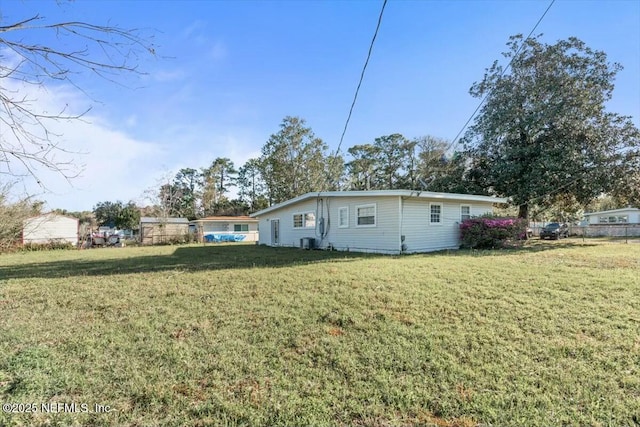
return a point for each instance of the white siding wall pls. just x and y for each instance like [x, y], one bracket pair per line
[633, 216]
[383, 238]
[422, 236]
[289, 236]
[45, 228]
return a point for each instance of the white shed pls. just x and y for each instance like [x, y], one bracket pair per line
[50, 227]
[627, 215]
[382, 221]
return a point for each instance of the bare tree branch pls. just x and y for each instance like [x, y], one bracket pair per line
[26, 138]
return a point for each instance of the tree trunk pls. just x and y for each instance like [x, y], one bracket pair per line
[523, 211]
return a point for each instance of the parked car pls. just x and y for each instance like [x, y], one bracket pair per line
[554, 230]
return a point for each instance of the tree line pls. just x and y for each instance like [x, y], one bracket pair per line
[294, 161]
[543, 138]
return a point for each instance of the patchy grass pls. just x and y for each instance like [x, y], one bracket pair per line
[244, 335]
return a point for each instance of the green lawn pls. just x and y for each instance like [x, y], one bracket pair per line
[247, 335]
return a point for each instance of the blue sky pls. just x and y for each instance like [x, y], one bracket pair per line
[227, 72]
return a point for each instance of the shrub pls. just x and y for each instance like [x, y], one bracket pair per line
[48, 246]
[491, 232]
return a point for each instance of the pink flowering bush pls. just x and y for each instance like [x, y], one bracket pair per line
[491, 232]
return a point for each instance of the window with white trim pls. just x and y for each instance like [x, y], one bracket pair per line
[343, 217]
[465, 212]
[435, 213]
[310, 220]
[240, 227]
[304, 220]
[613, 219]
[366, 216]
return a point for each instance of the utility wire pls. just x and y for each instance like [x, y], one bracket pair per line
[501, 74]
[355, 97]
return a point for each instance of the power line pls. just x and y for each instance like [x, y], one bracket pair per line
[355, 97]
[501, 74]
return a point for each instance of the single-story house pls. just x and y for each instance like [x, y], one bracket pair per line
[382, 221]
[231, 228]
[154, 230]
[627, 215]
[50, 227]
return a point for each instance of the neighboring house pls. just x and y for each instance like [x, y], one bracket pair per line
[154, 230]
[383, 221]
[616, 216]
[234, 228]
[50, 227]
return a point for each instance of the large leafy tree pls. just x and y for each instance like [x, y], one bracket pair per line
[129, 217]
[362, 169]
[217, 179]
[107, 213]
[251, 187]
[388, 163]
[294, 162]
[433, 162]
[394, 162]
[186, 191]
[116, 214]
[543, 132]
[393, 153]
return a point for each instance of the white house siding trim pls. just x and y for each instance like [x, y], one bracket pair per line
[420, 235]
[467, 214]
[289, 236]
[364, 207]
[344, 217]
[436, 214]
[381, 238]
[381, 193]
[632, 214]
[305, 220]
[402, 223]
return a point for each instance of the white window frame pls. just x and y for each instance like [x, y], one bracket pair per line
[241, 226]
[346, 217]
[304, 220]
[375, 215]
[461, 214]
[439, 215]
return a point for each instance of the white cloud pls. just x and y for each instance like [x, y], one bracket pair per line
[131, 121]
[197, 33]
[111, 165]
[195, 30]
[218, 51]
[169, 76]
